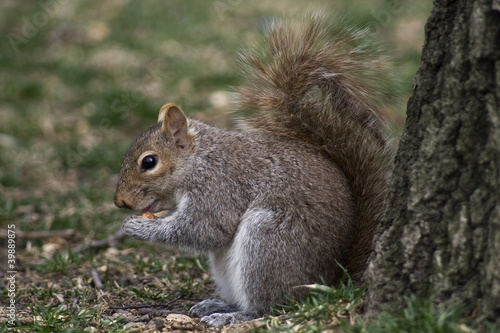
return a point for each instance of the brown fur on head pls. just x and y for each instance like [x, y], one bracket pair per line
[157, 152]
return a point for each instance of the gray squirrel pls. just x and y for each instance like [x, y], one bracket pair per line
[292, 195]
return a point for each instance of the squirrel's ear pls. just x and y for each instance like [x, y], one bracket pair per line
[163, 111]
[174, 124]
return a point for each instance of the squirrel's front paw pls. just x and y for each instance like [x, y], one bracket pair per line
[136, 226]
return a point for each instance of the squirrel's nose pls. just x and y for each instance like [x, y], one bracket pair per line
[120, 203]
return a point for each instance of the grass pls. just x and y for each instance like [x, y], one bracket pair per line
[48, 319]
[325, 308]
[79, 80]
[60, 294]
[340, 308]
[418, 316]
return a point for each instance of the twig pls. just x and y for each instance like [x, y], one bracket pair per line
[142, 306]
[473, 314]
[102, 243]
[95, 277]
[40, 234]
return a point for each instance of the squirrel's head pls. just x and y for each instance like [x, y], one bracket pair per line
[146, 182]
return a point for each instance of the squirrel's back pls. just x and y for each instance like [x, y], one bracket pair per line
[325, 91]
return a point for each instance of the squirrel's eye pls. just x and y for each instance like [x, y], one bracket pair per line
[148, 162]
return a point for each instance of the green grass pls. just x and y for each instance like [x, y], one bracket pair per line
[58, 262]
[418, 316]
[77, 88]
[60, 319]
[324, 308]
[340, 308]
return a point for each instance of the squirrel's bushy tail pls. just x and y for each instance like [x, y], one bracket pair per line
[326, 91]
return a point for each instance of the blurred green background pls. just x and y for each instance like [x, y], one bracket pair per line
[80, 79]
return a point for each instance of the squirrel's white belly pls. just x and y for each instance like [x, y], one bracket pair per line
[228, 275]
[228, 264]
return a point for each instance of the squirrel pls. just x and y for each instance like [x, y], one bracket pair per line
[294, 195]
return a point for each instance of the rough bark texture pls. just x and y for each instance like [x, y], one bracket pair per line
[440, 236]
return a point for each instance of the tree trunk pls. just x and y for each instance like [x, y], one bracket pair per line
[440, 236]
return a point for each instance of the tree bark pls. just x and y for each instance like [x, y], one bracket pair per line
[440, 235]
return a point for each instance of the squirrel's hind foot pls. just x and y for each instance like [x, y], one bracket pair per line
[218, 313]
[220, 319]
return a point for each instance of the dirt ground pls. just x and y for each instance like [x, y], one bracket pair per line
[109, 286]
